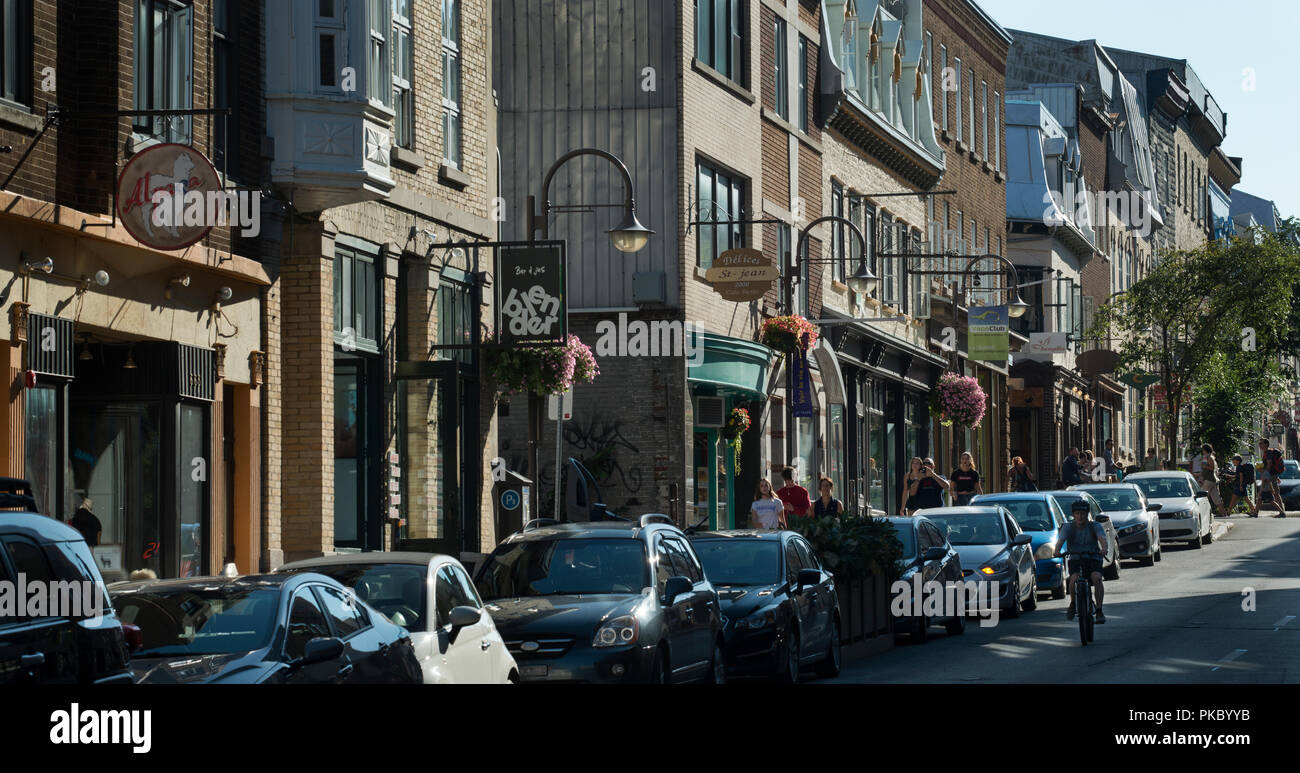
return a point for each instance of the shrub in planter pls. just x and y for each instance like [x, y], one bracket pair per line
[853, 546]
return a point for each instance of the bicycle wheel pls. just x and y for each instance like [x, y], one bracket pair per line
[1082, 611]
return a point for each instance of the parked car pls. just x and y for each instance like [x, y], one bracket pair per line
[79, 646]
[605, 601]
[1040, 516]
[1109, 564]
[993, 549]
[432, 597]
[1136, 522]
[780, 608]
[273, 628]
[927, 552]
[1184, 508]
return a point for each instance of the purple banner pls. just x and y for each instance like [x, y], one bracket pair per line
[799, 386]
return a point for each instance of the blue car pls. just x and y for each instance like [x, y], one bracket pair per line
[1041, 517]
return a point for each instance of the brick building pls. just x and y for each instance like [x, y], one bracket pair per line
[137, 370]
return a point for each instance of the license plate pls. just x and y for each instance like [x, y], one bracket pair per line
[535, 671]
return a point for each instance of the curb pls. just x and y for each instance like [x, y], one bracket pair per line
[1220, 529]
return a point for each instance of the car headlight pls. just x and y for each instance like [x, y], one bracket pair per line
[997, 565]
[1127, 531]
[1177, 513]
[1045, 550]
[758, 620]
[617, 632]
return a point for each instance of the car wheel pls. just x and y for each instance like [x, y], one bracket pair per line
[1209, 535]
[1147, 560]
[1014, 610]
[790, 663]
[718, 668]
[1058, 593]
[1111, 572]
[1196, 543]
[1031, 603]
[829, 668]
[1160, 554]
[513, 678]
[659, 673]
[956, 626]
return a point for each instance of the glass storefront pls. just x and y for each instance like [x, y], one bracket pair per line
[835, 464]
[45, 459]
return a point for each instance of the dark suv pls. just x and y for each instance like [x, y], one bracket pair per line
[83, 641]
[604, 601]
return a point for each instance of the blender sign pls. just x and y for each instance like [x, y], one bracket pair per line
[169, 196]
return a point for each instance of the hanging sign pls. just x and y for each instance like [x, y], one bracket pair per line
[988, 339]
[531, 294]
[169, 196]
[799, 383]
[1139, 380]
[742, 275]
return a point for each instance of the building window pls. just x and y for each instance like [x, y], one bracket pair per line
[957, 99]
[855, 216]
[720, 196]
[224, 79]
[837, 231]
[997, 131]
[403, 67]
[803, 84]
[451, 122]
[356, 298]
[380, 75]
[971, 108]
[984, 121]
[781, 69]
[783, 250]
[888, 261]
[457, 319]
[869, 233]
[718, 36]
[943, 91]
[164, 67]
[16, 51]
[329, 41]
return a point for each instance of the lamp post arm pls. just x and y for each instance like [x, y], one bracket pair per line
[789, 280]
[1007, 265]
[629, 199]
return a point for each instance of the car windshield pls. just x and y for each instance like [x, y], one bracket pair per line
[1116, 498]
[1163, 488]
[907, 538]
[200, 621]
[1032, 515]
[740, 561]
[971, 528]
[565, 567]
[389, 588]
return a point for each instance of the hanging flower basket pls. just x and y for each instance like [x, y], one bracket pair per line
[785, 334]
[958, 400]
[547, 371]
[737, 423]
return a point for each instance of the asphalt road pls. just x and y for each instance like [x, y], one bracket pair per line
[1180, 621]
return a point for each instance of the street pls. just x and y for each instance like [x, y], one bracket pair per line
[1181, 621]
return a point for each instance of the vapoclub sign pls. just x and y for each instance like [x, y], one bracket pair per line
[169, 196]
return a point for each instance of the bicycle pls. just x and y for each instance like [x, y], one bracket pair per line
[1082, 595]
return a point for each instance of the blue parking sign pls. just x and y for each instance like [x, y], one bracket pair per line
[509, 499]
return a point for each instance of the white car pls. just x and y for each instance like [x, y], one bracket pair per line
[1185, 514]
[431, 596]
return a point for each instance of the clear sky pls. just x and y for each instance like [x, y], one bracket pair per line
[1221, 41]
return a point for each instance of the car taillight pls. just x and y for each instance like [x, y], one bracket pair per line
[134, 638]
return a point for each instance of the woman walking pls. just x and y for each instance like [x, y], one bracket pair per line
[1021, 478]
[965, 481]
[768, 511]
[914, 475]
[827, 504]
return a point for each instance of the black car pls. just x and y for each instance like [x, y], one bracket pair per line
[779, 603]
[604, 601]
[276, 628]
[85, 642]
[926, 552]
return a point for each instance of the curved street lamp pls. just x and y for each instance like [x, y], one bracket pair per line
[1017, 307]
[862, 281]
[628, 236]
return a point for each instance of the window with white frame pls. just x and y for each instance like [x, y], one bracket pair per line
[957, 100]
[16, 51]
[943, 93]
[984, 122]
[803, 84]
[837, 231]
[451, 85]
[329, 44]
[164, 67]
[403, 68]
[889, 286]
[997, 131]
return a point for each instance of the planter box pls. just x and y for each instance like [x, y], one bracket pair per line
[864, 610]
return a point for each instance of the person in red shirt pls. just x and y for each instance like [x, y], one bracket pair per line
[796, 499]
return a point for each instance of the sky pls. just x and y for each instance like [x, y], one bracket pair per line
[1225, 43]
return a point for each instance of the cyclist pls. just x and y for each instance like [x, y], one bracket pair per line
[1085, 540]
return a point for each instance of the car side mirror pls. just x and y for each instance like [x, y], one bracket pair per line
[809, 577]
[1021, 539]
[675, 587]
[934, 554]
[1154, 508]
[320, 650]
[463, 617]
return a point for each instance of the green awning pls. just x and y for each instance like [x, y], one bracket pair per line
[731, 366]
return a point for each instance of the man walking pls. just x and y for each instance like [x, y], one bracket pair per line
[1242, 482]
[796, 499]
[1268, 477]
[1071, 474]
[1152, 462]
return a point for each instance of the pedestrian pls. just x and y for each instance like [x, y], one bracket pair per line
[1022, 479]
[1292, 436]
[965, 481]
[1268, 477]
[768, 511]
[928, 491]
[1210, 477]
[914, 474]
[1243, 479]
[1152, 462]
[1196, 459]
[1071, 474]
[1088, 466]
[796, 499]
[826, 503]
[140, 575]
[1109, 456]
[84, 521]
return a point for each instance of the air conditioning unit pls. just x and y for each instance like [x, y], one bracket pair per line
[710, 412]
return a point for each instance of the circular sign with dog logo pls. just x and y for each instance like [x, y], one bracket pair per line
[169, 196]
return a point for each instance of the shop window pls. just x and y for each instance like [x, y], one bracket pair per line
[16, 51]
[356, 298]
[45, 449]
[457, 320]
[193, 489]
[164, 67]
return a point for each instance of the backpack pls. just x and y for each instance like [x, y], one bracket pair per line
[1275, 464]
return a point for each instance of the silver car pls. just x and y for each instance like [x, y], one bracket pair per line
[1136, 521]
[992, 548]
[1184, 508]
